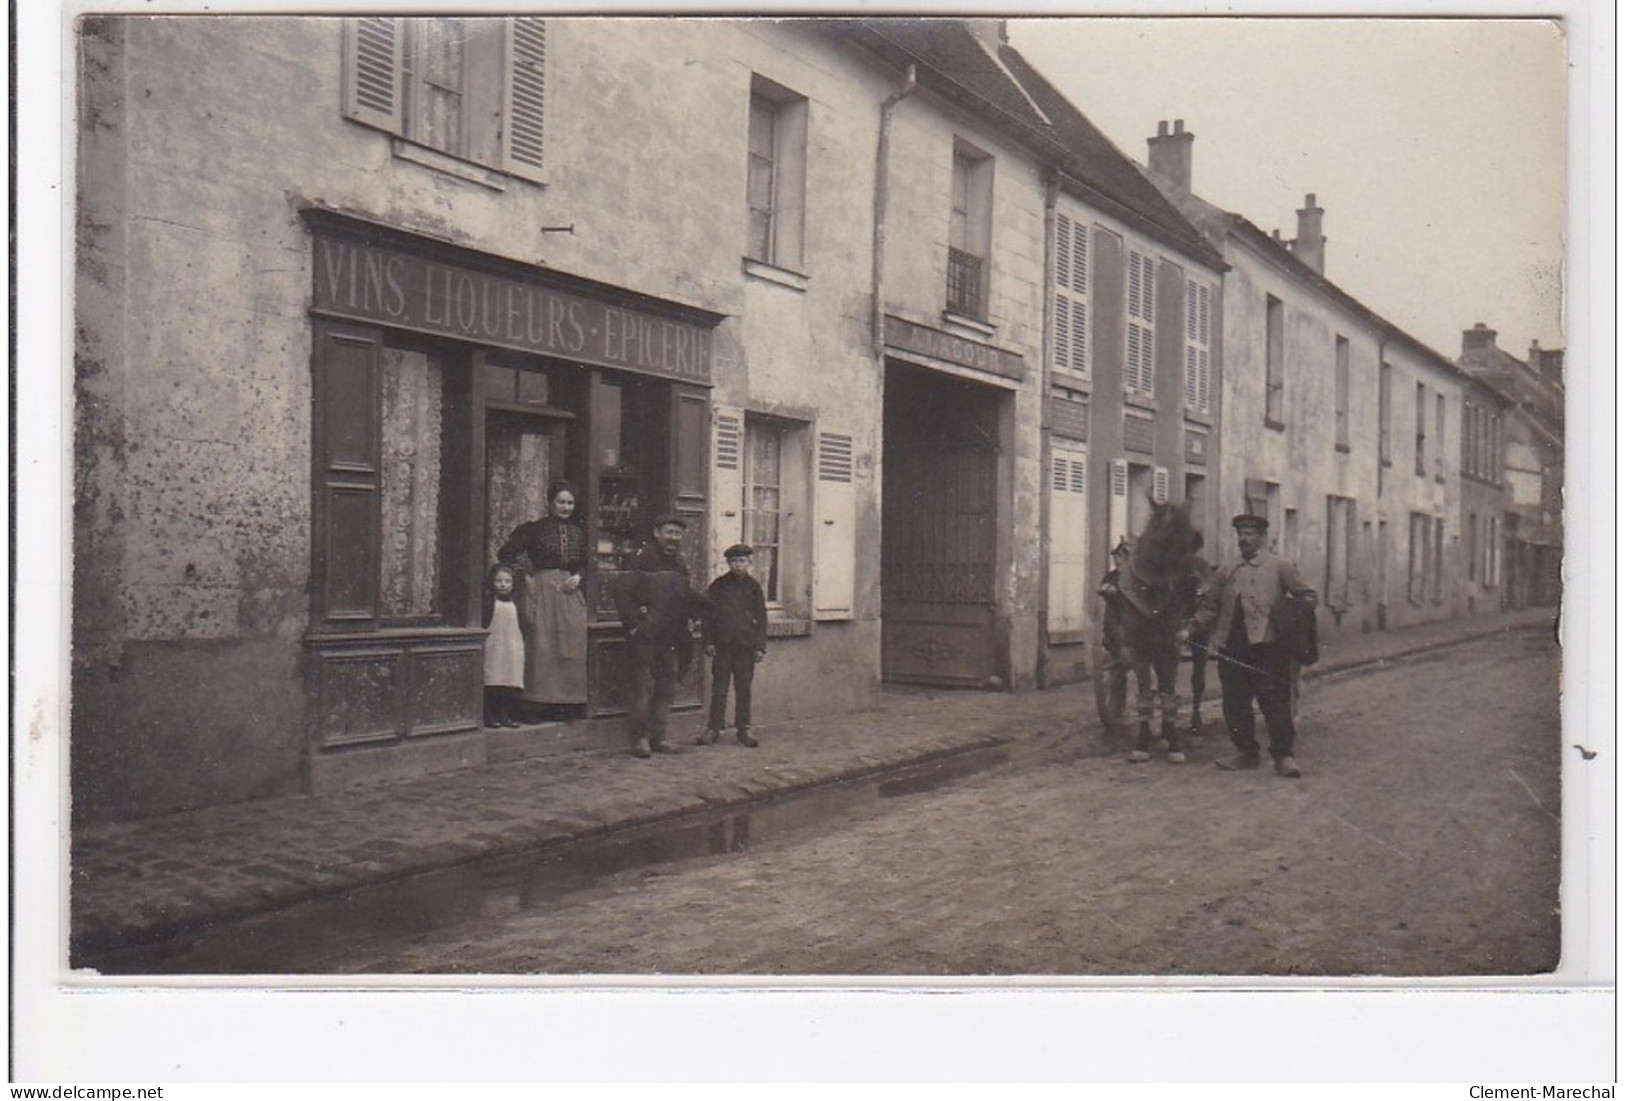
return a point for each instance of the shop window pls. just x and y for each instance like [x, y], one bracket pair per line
[970, 232]
[385, 482]
[1198, 346]
[472, 89]
[409, 483]
[1139, 368]
[776, 176]
[1069, 347]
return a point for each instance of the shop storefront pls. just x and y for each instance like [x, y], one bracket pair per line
[450, 388]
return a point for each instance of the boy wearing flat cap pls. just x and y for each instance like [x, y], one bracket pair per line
[734, 630]
[1239, 611]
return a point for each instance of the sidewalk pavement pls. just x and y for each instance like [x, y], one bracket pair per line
[140, 881]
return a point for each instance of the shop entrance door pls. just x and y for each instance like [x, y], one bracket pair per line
[523, 453]
[939, 531]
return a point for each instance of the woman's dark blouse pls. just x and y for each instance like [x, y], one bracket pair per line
[548, 544]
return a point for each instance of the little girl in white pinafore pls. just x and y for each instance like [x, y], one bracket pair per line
[504, 651]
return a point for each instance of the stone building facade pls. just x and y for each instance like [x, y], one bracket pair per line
[1530, 445]
[791, 279]
[1340, 428]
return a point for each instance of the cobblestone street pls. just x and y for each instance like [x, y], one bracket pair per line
[1422, 840]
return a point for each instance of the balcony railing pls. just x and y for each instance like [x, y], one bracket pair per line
[965, 284]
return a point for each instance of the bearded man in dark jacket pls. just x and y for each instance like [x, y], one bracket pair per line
[656, 601]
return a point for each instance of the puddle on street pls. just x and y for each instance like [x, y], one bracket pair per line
[319, 936]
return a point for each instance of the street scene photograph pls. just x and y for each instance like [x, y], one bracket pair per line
[921, 500]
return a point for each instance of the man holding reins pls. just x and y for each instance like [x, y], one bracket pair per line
[1240, 611]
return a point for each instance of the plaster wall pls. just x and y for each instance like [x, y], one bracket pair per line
[202, 139]
[1302, 456]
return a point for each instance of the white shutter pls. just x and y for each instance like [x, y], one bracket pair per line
[1068, 540]
[1071, 277]
[1117, 519]
[1062, 353]
[835, 534]
[524, 96]
[1159, 485]
[373, 52]
[727, 479]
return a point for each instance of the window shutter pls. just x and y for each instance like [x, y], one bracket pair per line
[1159, 485]
[1071, 277]
[835, 538]
[347, 525]
[373, 52]
[525, 97]
[727, 479]
[1068, 541]
[1118, 505]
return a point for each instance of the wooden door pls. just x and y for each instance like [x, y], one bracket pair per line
[939, 533]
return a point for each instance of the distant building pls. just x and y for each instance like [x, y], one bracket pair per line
[1532, 457]
[1339, 427]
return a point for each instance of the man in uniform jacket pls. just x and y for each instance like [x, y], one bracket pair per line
[655, 602]
[1239, 612]
[734, 630]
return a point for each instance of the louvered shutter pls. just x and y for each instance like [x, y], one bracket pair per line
[524, 97]
[1117, 520]
[1159, 485]
[727, 478]
[373, 53]
[1068, 540]
[1071, 278]
[835, 535]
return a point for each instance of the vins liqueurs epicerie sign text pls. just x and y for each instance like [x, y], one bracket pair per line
[365, 282]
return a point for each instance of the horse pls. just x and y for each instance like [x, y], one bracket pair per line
[1156, 593]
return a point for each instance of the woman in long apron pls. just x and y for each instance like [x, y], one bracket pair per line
[553, 552]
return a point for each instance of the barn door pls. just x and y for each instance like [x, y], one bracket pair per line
[939, 532]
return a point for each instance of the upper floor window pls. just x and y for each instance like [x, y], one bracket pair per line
[1341, 367]
[1385, 414]
[470, 88]
[1275, 361]
[776, 175]
[1139, 367]
[1421, 429]
[970, 232]
[1069, 349]
[1438, 436]
[1198, 346]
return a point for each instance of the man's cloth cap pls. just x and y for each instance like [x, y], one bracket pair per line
[669, 518]
[1248, 520]
[738, 550]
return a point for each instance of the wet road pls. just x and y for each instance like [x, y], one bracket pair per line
[1422, 840]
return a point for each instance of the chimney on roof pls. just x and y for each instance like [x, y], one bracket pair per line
[1169, 154]
[1479, 338]
[991, 33]
[1547, 363]
[1310, 246]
